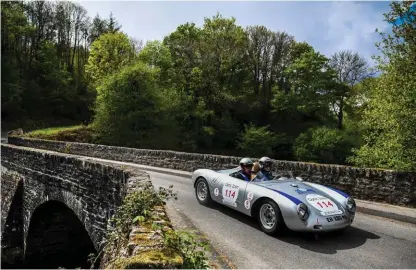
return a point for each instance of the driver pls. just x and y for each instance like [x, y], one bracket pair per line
[265, 172]
[246, 165]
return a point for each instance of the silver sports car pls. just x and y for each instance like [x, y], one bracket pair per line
[285, 200]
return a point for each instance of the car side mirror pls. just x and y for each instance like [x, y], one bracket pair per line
[299, 178]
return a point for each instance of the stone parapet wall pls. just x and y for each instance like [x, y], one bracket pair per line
[398, 188]
[92, 190]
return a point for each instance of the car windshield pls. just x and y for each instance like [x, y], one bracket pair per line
[281, 174]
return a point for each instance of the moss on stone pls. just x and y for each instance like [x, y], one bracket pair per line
[145, 239]
[152, 259]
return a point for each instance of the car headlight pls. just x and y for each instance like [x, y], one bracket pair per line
[302, 211]
[351, 204]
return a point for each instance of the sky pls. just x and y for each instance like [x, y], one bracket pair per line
[328, 26]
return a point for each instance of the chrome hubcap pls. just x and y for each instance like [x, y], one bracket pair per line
[202, 191]
[267, 216]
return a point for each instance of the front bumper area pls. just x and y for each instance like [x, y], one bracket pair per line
[329, 223]
[316, 223]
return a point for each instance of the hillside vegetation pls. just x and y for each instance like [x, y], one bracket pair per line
[218, 88]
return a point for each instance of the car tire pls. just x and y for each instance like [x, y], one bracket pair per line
[202, 192]
[270, 217]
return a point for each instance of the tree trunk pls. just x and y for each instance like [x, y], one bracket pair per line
[341, 113]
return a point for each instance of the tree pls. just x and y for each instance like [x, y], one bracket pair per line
[257, 141]
[14, 27]
[269, 56]
[390, 117]
[261, 51]
[156, 54]
[223, 63]
[129, 109]
[98, 27]
[210, 74]
[323, 145]
[360, 96]
[109, 53]
[350, 69]
[184, 46]
[113, 26]
[310, 80]
[136, 44]
[44, 50]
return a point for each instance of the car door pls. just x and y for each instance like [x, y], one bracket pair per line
[230, 191]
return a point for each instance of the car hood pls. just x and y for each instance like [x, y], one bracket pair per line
[297, 189]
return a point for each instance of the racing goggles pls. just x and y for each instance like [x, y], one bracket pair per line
[248, 166]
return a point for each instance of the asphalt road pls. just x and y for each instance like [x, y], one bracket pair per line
[371, 242]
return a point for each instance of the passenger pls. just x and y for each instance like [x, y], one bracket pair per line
[245, 173]
[265, 172]
[256, 167]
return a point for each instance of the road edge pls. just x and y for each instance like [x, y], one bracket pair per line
[385, 214]
[365, 207]
[180, 221]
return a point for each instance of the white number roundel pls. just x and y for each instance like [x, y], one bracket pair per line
[326, 206]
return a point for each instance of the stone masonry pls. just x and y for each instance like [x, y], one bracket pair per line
[92, 190]
[377, 185]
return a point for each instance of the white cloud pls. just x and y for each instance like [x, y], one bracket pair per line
[352, 26]
[328, 26]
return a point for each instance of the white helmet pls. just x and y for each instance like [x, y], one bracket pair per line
[246, 161]
[265, 161]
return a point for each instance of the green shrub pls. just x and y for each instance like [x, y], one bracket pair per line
[257, 141]
[138, 206]
[191, 250]
[130, 111]
[137, 209]
[324, 145]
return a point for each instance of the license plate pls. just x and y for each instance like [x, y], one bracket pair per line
[336, 218]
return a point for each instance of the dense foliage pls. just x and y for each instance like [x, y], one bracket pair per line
[44, 48]
[219, 88]
[390, 116]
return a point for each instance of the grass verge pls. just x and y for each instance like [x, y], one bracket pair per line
[80, 133]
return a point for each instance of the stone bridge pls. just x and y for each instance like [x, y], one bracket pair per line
[386, 186]
[53, 203]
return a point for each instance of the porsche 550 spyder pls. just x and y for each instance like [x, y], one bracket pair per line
[282, 201]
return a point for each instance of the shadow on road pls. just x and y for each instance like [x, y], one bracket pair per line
[329, 243]
[326, 243]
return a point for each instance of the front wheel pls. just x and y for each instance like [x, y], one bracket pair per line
[202, 192]
[269, 217]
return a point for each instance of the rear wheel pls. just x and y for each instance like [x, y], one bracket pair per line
[270, 217]
[202, 192]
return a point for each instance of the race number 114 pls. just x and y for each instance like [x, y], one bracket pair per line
[328, 204]
[230, 193]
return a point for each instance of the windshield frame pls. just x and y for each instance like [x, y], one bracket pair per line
[282, 173]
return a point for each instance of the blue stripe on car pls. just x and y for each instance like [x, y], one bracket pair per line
[293, 199]
[339, 191]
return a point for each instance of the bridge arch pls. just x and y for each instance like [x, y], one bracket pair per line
[12, 238]
[57, 238]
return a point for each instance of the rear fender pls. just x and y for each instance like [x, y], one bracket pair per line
[204, 173]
